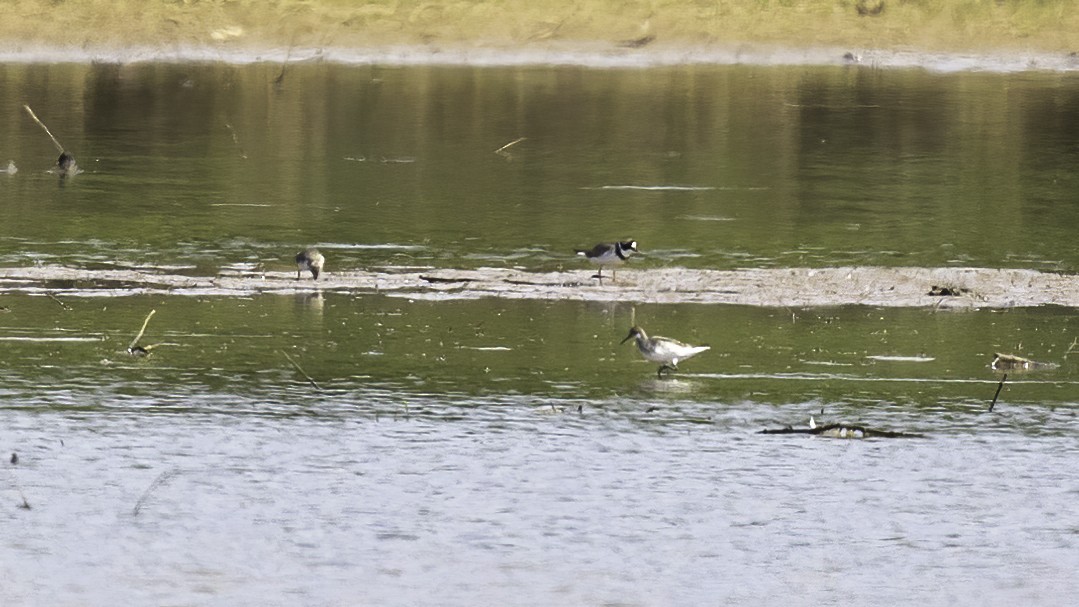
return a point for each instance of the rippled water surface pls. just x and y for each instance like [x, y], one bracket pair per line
[511, 452]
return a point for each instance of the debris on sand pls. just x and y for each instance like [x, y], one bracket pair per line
[1013, 363]
[769, 287]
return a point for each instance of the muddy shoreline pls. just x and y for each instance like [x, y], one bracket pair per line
[965, 288]
[951, 34]
[599, 55]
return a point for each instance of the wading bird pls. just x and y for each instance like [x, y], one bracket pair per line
[663, 349]
[609, 254]
[309, 260]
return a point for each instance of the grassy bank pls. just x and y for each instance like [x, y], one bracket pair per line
[931, 25]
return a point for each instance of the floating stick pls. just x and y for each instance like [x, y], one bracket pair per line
[236, 140]
[25, 505]
[1000, 386]
[160, 480]
[42, 125]
[58, 302]
[135, 341]
[502, 150]
[281, 77]
[300, 369]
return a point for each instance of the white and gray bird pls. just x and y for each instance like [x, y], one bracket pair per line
[663, 349]
[309, 260]
[609, 254]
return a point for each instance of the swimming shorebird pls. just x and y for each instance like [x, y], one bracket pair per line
[663, 349]
[311, 260]
[609, 254]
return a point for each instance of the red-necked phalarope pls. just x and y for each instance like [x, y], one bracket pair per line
[663, 349]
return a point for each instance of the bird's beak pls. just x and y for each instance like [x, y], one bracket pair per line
[626, 339]
[314, 272]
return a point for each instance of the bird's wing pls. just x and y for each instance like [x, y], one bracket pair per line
[595, 251]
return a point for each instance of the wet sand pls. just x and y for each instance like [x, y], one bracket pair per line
[772, 287]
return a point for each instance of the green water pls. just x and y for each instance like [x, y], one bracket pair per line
[512, 452]
[211, 164]
[849, 360]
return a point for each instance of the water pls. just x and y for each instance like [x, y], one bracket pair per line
[510, 451]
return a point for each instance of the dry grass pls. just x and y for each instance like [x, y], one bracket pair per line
[1045, 25]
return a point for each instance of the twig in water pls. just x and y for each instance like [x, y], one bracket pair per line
[160, 480]
[502, 150]
[1075, 342]
[300, 369]
[65, 164]
[42, 125]
[236, 140]
[57, 300]
[25, 505]
[1000, 387]
[131, 348]
[284, 64]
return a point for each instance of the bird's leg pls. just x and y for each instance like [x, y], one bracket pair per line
[297, 274]
[663, 368]
[599, 275]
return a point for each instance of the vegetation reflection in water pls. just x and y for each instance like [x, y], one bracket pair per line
[452, 427]
[201, 168]
[206, 165]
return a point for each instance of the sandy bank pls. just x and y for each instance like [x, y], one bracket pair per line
[793, 287]
[940, 35]
[584, 54]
